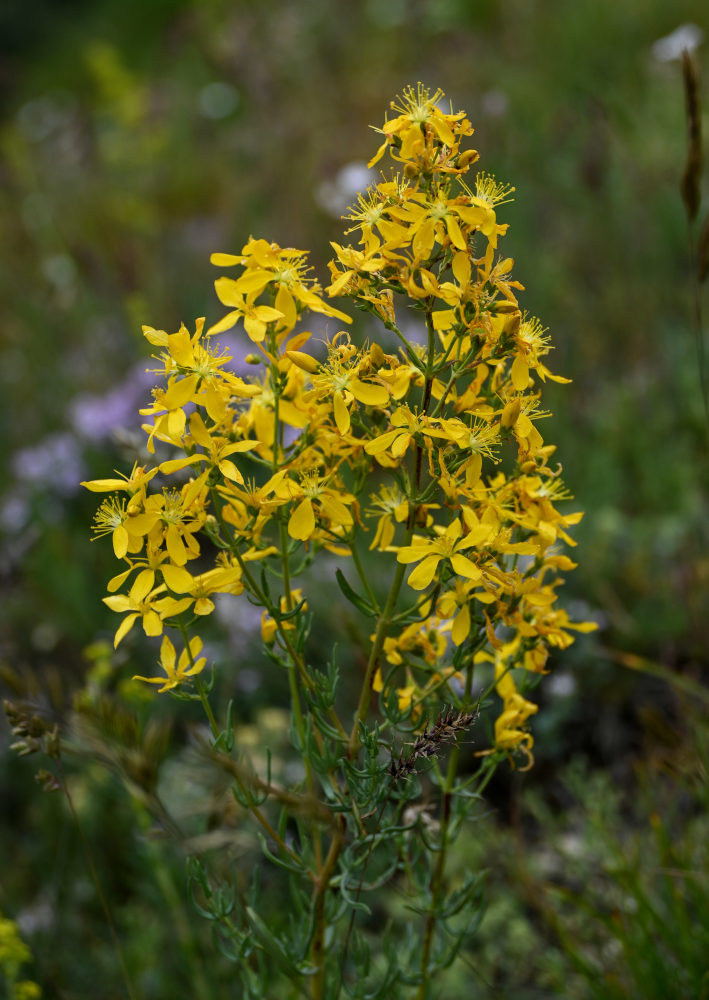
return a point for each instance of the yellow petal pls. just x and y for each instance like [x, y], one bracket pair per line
[520, 373]
[225, 259]
[511, 412]
[174, 464]
[302, 521]
[399, 446]
[335, 510]
[142, 586]
[180, 392]
[124, 628]
[120, 541]
[167, 656]
[342, 414]
[461, 626]
[255, 328]
[381, 443]
[303, 361]
[286, 305]
[175, 546]
[424, 572]
[461, 268]
[369, 393]
[117, 581]
[465, 567]
[455, 233]
[225, 323]
[152, 624]
[177, 579]
[117, 602]
[104, 485]
[541, 599]
[230, 471]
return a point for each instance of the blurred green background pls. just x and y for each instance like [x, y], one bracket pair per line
[138, 137]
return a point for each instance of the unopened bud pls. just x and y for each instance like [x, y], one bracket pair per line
[467, 158]
[304, 361]
[511, 413]
[253, 359]
[512, 317]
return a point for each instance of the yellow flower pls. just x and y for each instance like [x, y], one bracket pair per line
[110, 519]
[421, 639]
[219, 580]
[449, 545]
[395, 507]
[339, 380]
[405, 426]
[195, 374]
[455, 604]
[256, 318]
[177, 671]
[144, 602]
[270, 627]
[267, 264]
[136, 482]
[419, 125]
[316, 495]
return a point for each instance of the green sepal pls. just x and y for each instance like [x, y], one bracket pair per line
[225, 740]
[353, 597]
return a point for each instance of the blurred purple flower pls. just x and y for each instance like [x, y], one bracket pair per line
[96, 418]
[55, 462]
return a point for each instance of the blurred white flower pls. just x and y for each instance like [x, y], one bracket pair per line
[335, 196]
[494, 103]
[686, 36]
[218, 100]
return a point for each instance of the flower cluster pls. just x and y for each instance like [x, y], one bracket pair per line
[424, 449]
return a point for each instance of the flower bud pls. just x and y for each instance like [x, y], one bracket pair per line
[511, 412]
[467, 158]
[304, 361]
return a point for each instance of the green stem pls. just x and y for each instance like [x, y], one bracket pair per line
[436, 884]
[362, 575]
[206, 705]
[697, 320]
[322, 882]
[253, 808]
[377, 646]
[297, 664]
[385, 619]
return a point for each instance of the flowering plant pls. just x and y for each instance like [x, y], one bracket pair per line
[411, 469]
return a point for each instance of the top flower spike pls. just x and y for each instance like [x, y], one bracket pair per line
[410, 136]
[288, 461]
